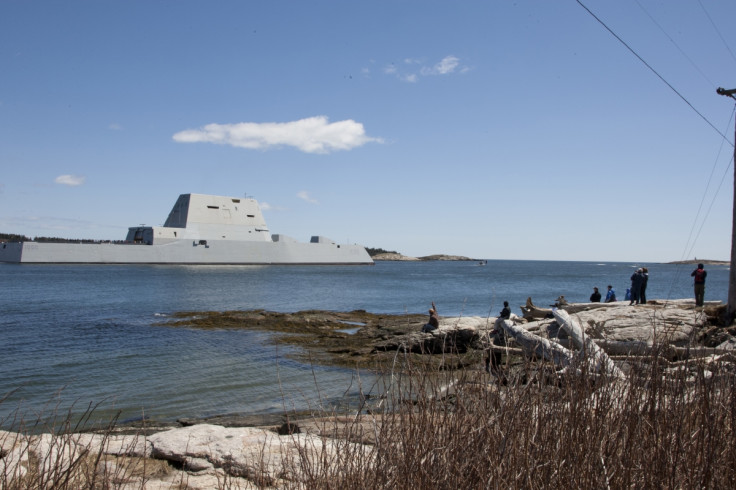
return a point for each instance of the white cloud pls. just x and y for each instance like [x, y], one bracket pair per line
[310, 135]
[305, 196]
[264, 206]
[445, 66]
[71, 180]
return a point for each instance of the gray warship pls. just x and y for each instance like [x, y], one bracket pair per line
[201, 229]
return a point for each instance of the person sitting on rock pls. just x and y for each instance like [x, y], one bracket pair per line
[434, 320]
[610, 295]
[561, 301]
[506, 312]
[493, 361]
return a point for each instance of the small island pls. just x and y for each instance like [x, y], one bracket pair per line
[379, 254]
[700, 261]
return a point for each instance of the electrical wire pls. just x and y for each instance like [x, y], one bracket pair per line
[686, 251]
[716, 29]
[654, 71]
[697, 68]
[723, 136]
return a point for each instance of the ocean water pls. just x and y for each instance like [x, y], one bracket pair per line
[72, 336]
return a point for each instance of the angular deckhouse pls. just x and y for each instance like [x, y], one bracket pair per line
[200, 229]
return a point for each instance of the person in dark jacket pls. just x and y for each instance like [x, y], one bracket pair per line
[596, 296]
[699, 284]
[636, 279]
[506, 312]
[493, 361]
[643, 293]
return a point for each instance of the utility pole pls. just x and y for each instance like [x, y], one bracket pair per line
[731, 308]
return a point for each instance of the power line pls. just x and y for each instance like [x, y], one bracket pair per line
[723, 178]
[687, 252]
[654, 71]
[716, 29]
[676, 45]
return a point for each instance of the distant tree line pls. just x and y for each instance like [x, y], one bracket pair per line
[10, 237]
[375, 251]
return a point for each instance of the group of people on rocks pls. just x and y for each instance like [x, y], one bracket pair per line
[636, 295]
[610, 295]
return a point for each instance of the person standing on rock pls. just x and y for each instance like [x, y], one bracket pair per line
[596, 296]
[434, 320]
[645, 280]
[636, 279]
[699, 284]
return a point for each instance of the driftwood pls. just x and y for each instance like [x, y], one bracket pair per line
[533, 312]
[558, 354]
[534, 344]
[623, 349]
[589, 350]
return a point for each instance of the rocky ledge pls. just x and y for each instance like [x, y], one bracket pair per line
[203, 456]
[369, 341]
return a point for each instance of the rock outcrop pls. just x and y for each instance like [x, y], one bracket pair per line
[426, 258]
[201, 456]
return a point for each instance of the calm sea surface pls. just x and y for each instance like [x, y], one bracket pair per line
[74, 335]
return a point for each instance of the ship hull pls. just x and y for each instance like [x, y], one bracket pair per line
[222, 252]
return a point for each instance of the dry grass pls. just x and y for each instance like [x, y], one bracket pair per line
[665, 426]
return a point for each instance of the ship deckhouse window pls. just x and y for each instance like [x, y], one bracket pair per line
[213, 207]
[236, 200]
[251, 215]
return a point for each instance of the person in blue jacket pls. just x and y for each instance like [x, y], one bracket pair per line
[610, 295]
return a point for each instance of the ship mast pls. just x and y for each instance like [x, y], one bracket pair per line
[731, 308]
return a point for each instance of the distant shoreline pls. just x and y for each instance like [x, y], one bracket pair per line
[399, 257]
[701, 261]
[392, 256]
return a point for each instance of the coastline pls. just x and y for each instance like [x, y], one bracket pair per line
[700, 261]
[256, 450]
[391, 256]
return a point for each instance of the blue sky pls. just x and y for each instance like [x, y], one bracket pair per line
[509, 130]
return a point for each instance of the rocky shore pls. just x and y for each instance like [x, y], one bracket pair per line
[399, 257]
[252, 451]
[701, 261]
